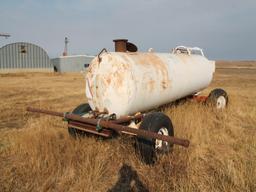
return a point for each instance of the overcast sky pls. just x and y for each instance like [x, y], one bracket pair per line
[224, 29]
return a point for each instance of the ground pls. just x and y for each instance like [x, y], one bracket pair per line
[37, 154]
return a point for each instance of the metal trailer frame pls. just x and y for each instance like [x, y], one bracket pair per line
[107, 126]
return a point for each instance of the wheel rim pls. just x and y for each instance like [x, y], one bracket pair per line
[221, 102]
[159, 144]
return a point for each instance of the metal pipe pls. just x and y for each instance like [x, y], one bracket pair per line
[53, 113]
[116, 127]
[89, 128]
[127, 118]
[120, 45]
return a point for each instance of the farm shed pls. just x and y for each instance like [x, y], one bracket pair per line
[24, 57]
[72, 63]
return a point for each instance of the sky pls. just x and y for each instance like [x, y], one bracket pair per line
[224, 29]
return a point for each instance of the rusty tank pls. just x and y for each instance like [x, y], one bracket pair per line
[126, 81]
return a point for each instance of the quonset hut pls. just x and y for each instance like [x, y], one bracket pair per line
[24, 57]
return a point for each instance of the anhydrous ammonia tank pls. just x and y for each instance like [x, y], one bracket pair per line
[128, 82]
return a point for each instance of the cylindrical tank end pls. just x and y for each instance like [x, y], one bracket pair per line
[120, 45]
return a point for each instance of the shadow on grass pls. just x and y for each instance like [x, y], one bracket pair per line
[128, 181]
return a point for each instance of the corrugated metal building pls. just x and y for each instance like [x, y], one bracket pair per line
[24, 57]
[72, 63]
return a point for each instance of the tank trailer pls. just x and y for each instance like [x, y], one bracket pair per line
[123, 88]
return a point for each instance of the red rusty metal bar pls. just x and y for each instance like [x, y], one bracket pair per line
[199, 98]
[53, 113]
[116, 127]
[97, 113]
[89, 128]
[127, 119]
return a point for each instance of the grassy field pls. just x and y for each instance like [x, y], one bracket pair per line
[37, 154]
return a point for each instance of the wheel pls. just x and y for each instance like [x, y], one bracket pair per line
[149, 149]
[79, 110]
[218, 98]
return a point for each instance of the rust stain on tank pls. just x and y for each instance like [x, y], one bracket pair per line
[118, 79]
[164, 84]
[151, 59]
[108, 80]
[122, 68]
[109, 58]
[151, 85]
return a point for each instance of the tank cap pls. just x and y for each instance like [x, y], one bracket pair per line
[131, 47]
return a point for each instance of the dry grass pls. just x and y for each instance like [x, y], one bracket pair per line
[36, 153]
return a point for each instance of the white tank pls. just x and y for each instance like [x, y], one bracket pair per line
[128, 82]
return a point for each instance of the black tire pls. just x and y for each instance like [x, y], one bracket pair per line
[218, 98]
[145, 147]
[79, 110]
